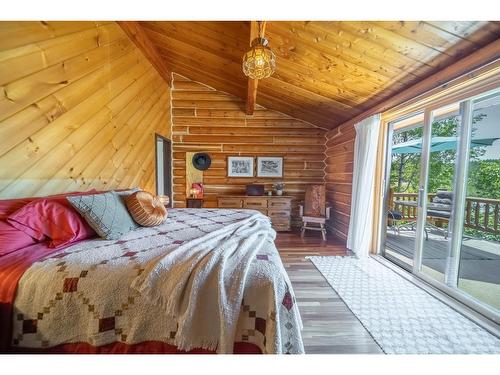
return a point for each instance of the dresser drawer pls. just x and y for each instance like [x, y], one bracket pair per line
[281, 227]
[279, 204]
[263, 211]
[255, 203]
[230, 203]
[279, 215]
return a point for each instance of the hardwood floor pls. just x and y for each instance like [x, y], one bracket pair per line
[329, 326]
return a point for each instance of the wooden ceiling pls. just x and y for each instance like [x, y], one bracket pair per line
[327, 72]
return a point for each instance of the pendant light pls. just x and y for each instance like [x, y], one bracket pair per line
[259, 62]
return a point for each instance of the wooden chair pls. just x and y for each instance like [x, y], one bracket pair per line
[314, 211]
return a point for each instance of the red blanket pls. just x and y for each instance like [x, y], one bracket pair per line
[12, 268]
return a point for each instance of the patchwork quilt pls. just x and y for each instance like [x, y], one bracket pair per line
[94, 292]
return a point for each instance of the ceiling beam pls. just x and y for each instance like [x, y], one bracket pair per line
[463, 66]
[137, 34]
[252, 83]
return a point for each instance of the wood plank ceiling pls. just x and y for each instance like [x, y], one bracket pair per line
[327, 72]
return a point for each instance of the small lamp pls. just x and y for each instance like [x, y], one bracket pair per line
[193, 192]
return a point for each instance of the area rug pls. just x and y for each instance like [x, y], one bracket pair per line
[401, 317]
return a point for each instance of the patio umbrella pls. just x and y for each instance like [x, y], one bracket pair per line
[437, 144]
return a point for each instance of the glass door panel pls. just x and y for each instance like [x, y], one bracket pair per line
[479, 268]
[404, 168]
[442, 194]
[436, 244]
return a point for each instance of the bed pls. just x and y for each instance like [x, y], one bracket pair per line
[108, 296]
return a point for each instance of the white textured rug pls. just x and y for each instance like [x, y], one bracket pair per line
[400, 316]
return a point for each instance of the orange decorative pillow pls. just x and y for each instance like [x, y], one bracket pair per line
[146, 209]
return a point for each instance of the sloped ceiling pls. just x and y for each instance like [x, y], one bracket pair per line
[327, 72]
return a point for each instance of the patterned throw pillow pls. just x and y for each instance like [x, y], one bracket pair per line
[105, 212]
[146, 209]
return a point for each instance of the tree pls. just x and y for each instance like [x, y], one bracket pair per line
[483, 177]
[405, 169]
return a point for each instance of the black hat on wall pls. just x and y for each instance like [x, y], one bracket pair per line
[201, 161]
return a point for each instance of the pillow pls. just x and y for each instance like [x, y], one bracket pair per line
[146, 209]
[105, 212]
[53, 218]
[442, 200]
[8, 206]
[12, 239]
[443, 194]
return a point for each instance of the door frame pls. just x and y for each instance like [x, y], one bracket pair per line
[386, 181]
[167, 160]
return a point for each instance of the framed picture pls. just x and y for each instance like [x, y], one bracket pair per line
[269, 166]
[240, 166]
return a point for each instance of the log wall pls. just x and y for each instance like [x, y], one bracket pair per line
[338, 177]
[79, 109]
[205, 119]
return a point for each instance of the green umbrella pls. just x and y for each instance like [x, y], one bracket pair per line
[437, 144]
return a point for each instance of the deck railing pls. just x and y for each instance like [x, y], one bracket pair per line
[480, 213]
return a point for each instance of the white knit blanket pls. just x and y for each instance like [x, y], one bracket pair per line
[203, 279]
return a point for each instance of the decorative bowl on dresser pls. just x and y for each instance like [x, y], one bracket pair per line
[278, 209]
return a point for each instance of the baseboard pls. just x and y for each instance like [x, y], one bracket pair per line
[336, 233]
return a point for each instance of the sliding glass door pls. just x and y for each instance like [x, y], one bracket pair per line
[479, 242]
[404, 167]
[444, 128]
[442, 199]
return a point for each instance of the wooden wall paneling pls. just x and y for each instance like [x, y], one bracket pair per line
[327, 72]
[23, 92]
[340, 141]
[43, 141]
[28, 59]
[98, 147]
[323, 57]
[341, 44]
[476, 59]
[18, 127]
[338, 178]
[217, 124]
[136, 33]
[140, 143]
[19, 33]
[120, 143]
[85, 117]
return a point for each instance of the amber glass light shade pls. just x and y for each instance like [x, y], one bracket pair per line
[259, 62]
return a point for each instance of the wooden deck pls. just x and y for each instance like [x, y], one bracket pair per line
[329, 326]
[480, 259]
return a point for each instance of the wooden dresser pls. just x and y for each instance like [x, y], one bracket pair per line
[278, 208]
